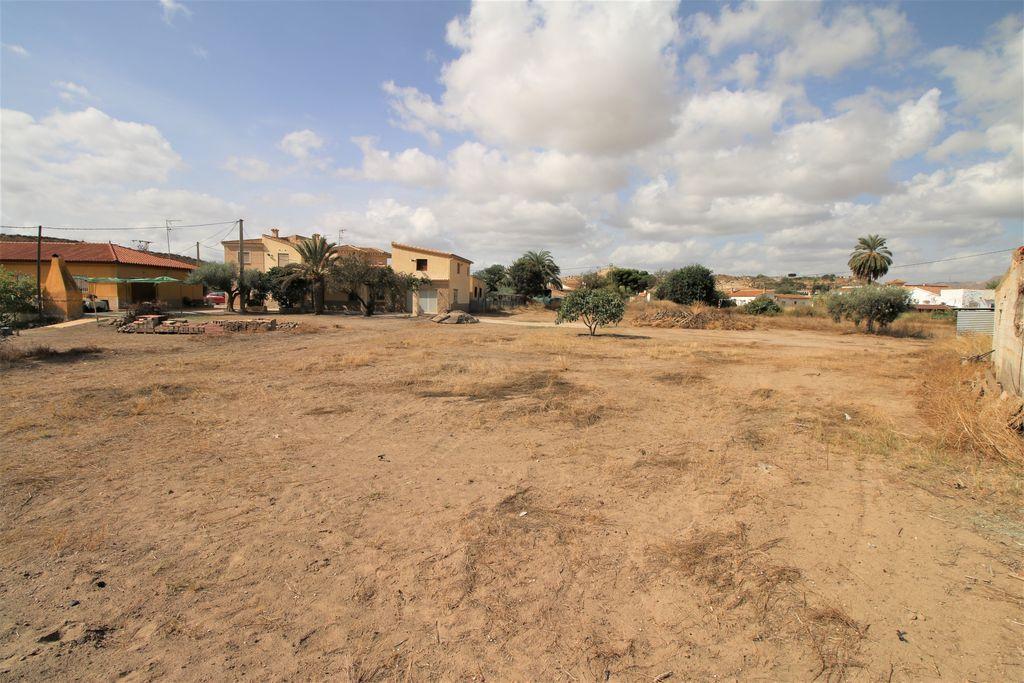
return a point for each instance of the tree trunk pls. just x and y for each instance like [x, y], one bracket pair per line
[318, 298]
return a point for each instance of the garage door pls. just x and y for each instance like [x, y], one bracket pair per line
[428, 300]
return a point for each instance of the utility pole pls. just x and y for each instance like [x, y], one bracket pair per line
[241, 267]
[39, 272]
[198, 258]
[167, 225]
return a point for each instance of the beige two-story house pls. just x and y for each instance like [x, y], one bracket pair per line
[451, 285]
[269, 250]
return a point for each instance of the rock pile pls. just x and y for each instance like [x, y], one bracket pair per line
[160, 324]
[454, 318]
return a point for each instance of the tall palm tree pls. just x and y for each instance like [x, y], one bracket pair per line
[317, 258]
[870, 259]
[546, 266]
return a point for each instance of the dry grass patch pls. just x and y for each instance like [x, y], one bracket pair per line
[12, 355]
[743, 579]
[518, 392]
[966, 417]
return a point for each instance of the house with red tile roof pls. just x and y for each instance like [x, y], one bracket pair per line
[89, 263]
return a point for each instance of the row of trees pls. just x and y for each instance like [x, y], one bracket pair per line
[532, 274]
[321, 268]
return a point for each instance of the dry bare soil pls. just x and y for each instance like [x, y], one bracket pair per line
[390, 499]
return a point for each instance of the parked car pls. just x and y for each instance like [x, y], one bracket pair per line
[215, 298]
[95, 306]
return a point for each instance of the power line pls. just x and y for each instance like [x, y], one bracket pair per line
[954, 258]
[141, 227]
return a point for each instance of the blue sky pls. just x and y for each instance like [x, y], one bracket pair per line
[754, 138]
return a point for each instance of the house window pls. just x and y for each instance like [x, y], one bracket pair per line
[455, 296]
[421, 264]
[458, 268]
[283, 259]
[246, 257]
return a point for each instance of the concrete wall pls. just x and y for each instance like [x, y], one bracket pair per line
[1008, 339]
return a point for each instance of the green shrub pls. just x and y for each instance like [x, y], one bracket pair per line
[689, 285]
[17, 295]
[762, 305]
[873, 304]
[595, 307]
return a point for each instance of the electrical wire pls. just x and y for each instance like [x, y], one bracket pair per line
[141, 227]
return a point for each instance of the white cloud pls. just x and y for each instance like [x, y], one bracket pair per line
[200, 52]
[417, 113]
[71, 92]
[86, 146]
[478, 171]
[816, 39]
[16, 49]
[172, 8]
[248, 168]
[595, 78]
[988, 80]
[655, 254]
[411, 166]
[301, 144]
[88, 168]
[745, 70]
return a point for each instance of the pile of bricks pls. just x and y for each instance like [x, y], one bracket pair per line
[160, 324]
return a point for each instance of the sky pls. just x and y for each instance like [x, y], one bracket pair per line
[751, 137]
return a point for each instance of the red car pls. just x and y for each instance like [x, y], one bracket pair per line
[216, 298]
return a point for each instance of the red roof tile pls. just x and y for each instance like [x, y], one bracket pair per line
[88, 252]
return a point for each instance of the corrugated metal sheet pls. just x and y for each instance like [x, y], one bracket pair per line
[980, 321]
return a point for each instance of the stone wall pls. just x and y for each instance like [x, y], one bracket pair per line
[1008, 338]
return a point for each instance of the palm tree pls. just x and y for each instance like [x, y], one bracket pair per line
[317, 258]
[870, 259]
[546, 266]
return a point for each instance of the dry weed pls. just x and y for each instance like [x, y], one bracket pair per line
[967, 418]
[11, 355]
[742, 575]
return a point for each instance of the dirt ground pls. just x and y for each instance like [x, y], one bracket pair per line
[389, 499]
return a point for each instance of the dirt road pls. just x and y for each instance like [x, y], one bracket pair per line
[387, 499]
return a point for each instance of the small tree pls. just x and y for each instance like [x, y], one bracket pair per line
[255, 287]
[318, 258]
[873, 304]
[493, 276]
[593, 280]
[287, 289]
[218, 277]
[595, 307]
[763, 305]
[692, 284]
[631, 280]
[17, 295]
[533, 272]
[368, 283]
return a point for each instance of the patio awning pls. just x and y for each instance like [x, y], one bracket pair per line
[132, 280]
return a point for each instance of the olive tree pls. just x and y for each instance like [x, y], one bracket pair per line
[595, 307]
[368, 283]
[17, 295]
[218, 277]
[872, 304]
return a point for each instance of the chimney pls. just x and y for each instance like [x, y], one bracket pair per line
[275, 232]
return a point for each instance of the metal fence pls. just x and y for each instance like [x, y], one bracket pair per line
[975, 320]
